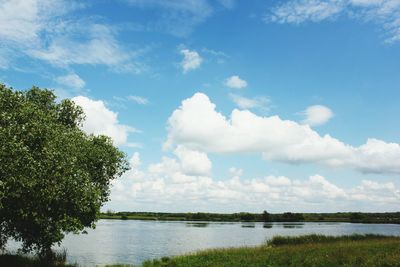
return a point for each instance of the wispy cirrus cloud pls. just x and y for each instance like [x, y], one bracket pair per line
[260, 102]
[384, 13]
[71, 80]
[138, 99]
[49, 31]
[177, 17]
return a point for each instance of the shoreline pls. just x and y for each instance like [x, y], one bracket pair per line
[288, 217]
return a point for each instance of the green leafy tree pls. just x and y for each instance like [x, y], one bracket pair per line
[53, 177]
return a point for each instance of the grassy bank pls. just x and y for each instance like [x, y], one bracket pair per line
[309, 250]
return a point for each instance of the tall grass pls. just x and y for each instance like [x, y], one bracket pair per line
[304, 251]
[316, 238]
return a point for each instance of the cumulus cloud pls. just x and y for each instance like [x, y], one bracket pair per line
[197, 125]
[317, 115]
[43, 30]
[191, 60]
[235, 172]
[193, 162]
[384, 13]
[165, 186]
[71, 80]
[250, 103]
[373, 191]
[235, 82]
[101, 120]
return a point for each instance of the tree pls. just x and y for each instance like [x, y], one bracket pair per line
[53, 177]
[266, 216]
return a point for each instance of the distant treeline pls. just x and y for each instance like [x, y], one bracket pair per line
[355, 217]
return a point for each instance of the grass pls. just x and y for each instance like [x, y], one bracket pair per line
[318, 239]
[308, 250]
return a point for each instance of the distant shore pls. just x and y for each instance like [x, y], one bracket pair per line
[353, 217]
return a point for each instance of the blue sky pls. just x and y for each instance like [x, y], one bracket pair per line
[226, 105]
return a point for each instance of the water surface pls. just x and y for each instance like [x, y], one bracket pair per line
[132, 242]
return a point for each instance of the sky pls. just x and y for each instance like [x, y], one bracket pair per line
[225, 105]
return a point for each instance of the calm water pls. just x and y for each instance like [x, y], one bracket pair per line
[117, 241]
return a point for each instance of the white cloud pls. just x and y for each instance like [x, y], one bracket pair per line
[101, 48]
[193, 162]
[191, 60]
[235, 82]
[299, 11]
[21, 21]
[235, 172]
[372, 191]
[101, 120]
[250, 103]
[43, 30]
[164, 186]
[198, 126]
[218, 56]
[138, 99]
[385, 13]
[71, 80]
[317, 115]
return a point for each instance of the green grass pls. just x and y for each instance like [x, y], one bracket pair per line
[304, 251]
[311, 250]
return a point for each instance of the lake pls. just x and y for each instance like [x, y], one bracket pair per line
[130, 241]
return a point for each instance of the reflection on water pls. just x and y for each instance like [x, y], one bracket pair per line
[288, 225]
[248, 225]
[197, 224]
[268, 225]
[132, 242]
[293, 225]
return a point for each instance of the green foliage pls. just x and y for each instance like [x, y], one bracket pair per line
[53, 177]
